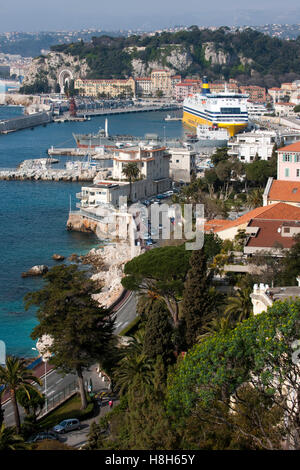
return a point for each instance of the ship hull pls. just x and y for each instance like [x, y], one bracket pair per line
[192, 120]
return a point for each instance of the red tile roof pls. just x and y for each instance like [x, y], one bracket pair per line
[285, 191]
[295, 147]
[285, 104]
[213, 224]
[277, 211]
[269, 234]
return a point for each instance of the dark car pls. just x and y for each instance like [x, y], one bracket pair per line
[45, 435]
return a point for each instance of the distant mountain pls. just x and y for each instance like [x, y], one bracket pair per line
[31, 44]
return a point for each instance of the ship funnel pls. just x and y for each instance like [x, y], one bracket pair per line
[205, 86]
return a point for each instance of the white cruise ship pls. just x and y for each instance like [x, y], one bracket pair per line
[224, 110]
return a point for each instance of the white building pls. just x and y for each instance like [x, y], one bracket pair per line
[246, 145]
[284, 109]
[151, 160]
[263, 296]
[143, 86]
[153, 164]
[182, 164]
[256, 109]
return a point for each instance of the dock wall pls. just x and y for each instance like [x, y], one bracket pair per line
[25, 122]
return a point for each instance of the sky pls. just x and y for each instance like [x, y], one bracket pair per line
[54, 15]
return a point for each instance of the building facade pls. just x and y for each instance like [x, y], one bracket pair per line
[257, 94]
[153, 164]
[288, 162]
[182, 164]
[248, 145]
[111, 88]
[143, 86]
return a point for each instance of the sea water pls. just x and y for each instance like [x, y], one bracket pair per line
[33, 215]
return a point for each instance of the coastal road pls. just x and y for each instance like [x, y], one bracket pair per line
[56, 382]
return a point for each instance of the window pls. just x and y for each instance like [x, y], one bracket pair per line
[286, 172]
[286, 157]
[230, 110]
[286, 229]
[298, 172]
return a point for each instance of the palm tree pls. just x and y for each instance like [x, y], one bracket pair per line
[216, 325]
[255, 198]
[15, 376]
[240, 306]
[9, 440]
[135, 366]
[131, 172]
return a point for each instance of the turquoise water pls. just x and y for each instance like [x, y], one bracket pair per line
[33, 215]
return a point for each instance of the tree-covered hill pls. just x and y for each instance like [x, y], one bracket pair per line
[249, 56]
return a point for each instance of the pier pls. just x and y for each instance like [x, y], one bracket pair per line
[70, 152]
[132, 109]
[25, 122]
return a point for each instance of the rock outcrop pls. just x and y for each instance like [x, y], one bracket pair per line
[215, 57]
[49, 67]
[38, 270]
[114, 258]
[58, 257]
[175, 58]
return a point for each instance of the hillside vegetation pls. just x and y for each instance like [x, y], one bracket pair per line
[249, 56]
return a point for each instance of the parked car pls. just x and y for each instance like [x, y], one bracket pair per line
[45, 435]
[67, 425]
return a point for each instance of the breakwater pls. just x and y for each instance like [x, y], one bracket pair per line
[47, 174]
[25, 122]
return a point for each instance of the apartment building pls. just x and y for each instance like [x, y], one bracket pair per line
[111, 88]
[288, 162]
[284, 109]
[247, 145]
[151, 160]
[186, 87]
[153, 164]
[143, 86]
[256, 94]
[161, 81]
[277, 94]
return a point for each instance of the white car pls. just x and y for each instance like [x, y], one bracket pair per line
[67, 425]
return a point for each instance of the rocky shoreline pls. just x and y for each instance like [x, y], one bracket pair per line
[107, 262]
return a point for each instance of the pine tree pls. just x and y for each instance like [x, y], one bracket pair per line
[158, 332]
[197, 300]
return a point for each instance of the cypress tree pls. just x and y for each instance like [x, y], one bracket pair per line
[197, 301]
[158, 332]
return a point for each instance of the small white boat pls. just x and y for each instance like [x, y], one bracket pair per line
[172, 118]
